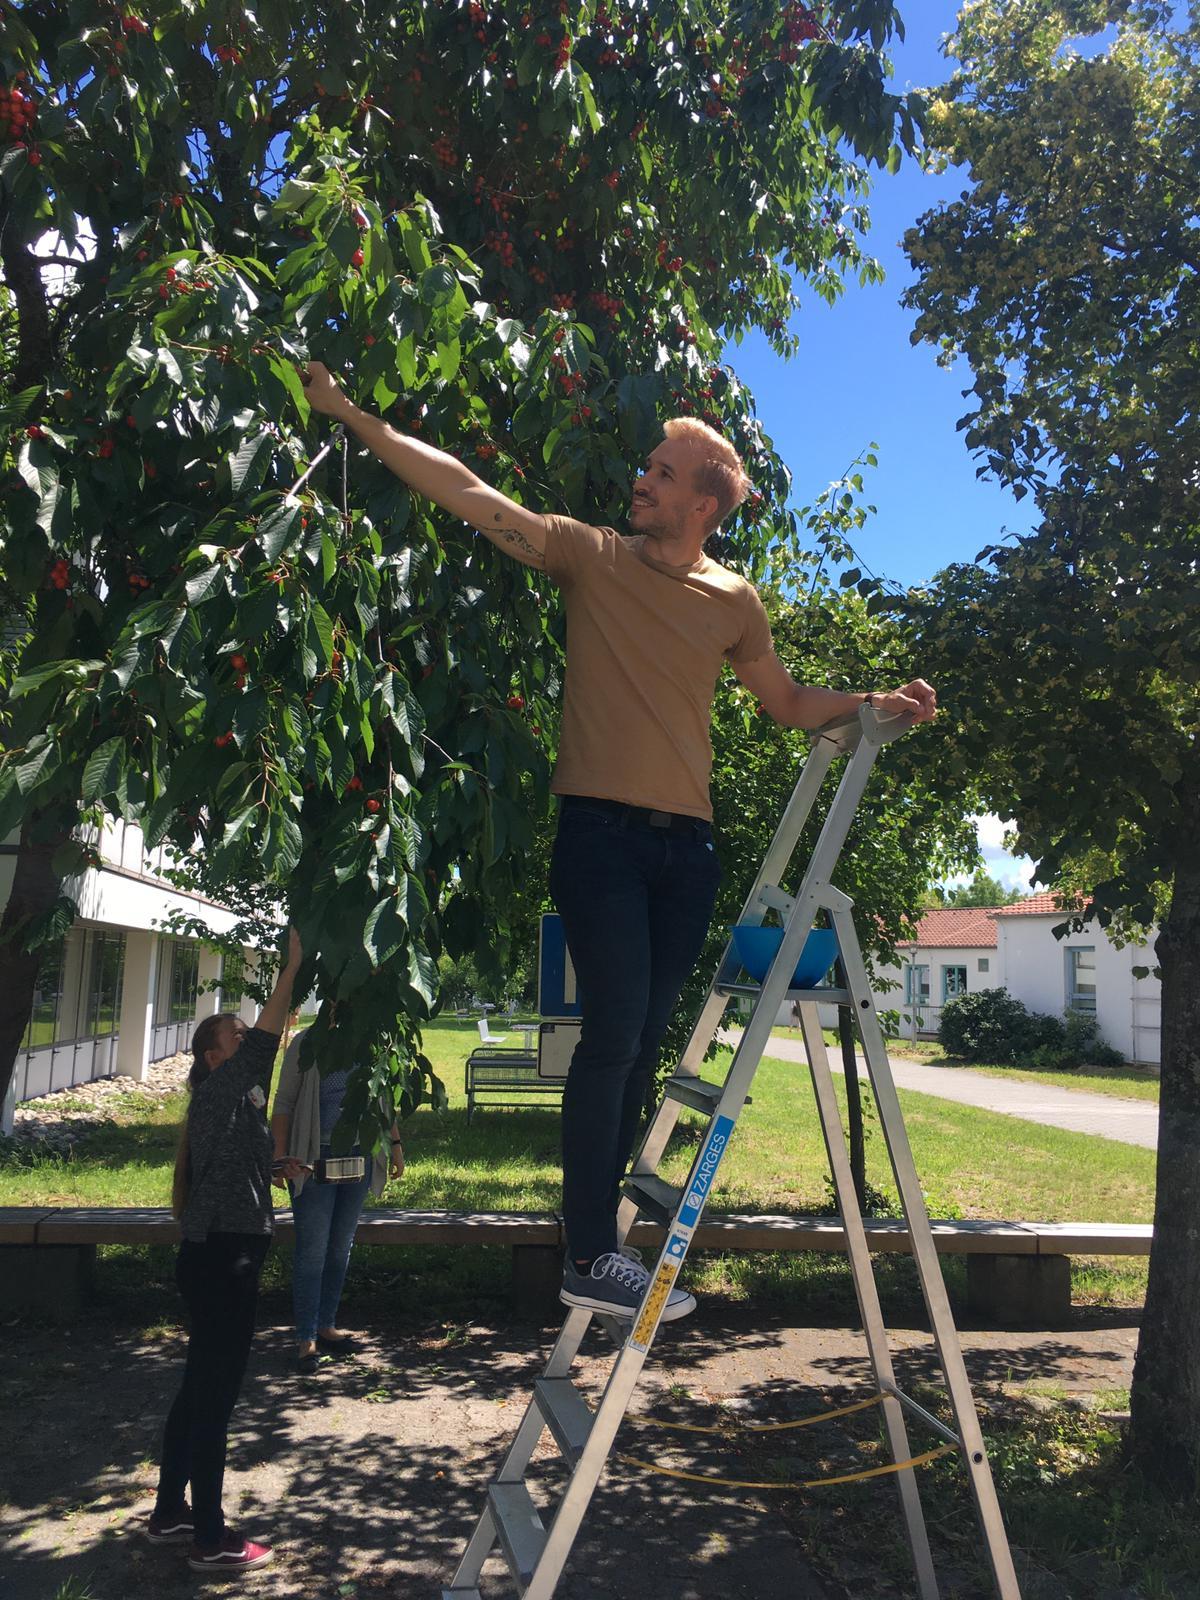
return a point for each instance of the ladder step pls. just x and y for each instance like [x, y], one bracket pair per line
[520, 1528]
[461, 1594]
[832, 997]
[694, 1092]
[657, 1198]
[567, 1414]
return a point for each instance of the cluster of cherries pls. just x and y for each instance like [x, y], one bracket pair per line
[60, 573]
[17, 111]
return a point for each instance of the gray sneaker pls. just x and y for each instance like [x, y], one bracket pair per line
[616, 1284]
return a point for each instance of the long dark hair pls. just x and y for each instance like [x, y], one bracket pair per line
[203, 1039]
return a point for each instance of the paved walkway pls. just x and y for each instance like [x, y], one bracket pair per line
[1076, 1110]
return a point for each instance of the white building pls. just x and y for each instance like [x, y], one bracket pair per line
[961, 949]
[118, 993]
[954, 953]
[1081, 972]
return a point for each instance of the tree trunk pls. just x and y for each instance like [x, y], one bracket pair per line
[1165, 1404]
[35, 889]
[855, 1136]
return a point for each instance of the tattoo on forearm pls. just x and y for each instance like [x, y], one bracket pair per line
[514, 536]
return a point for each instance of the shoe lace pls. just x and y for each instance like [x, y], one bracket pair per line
[625, 1270]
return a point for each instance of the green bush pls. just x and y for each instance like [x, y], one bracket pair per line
[990, 1025]
[1079, 1046]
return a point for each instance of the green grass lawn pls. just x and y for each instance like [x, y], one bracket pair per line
[972, 1163]
[1127, 1082]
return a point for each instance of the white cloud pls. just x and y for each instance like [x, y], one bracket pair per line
[1012, 871]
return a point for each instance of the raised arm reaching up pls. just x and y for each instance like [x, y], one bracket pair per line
[438, 476]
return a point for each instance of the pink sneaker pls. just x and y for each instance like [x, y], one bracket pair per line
[234, 1554]
[177, 1528]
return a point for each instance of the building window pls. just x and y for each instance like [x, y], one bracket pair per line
[233, 979]
[177, 984]
[1081, 978]
[983, 963]
[46, 1020]
[916, 985]
[954, 981]
[104, 988]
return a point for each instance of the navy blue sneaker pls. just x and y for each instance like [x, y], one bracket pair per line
[616, 1284]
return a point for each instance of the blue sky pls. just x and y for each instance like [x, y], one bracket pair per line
[858, 379]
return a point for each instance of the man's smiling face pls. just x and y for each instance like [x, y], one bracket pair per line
[665, 497]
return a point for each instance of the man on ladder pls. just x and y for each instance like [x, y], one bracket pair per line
[650, 621]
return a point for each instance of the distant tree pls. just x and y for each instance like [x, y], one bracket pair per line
[1068, 276]
[983, 890]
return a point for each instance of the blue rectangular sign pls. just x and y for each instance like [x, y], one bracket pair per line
[706, 1170]
[558, 994]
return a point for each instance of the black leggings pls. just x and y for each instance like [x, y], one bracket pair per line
[219, 1284]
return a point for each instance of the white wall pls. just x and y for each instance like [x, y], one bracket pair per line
[125, 895]
[1128, 1009]
[927, 1021]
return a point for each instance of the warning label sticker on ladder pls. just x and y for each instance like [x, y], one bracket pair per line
[655, 1299]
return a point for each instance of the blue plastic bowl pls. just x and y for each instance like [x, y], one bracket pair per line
[757, 947]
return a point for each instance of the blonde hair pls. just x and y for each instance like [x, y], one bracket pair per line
[719, 472]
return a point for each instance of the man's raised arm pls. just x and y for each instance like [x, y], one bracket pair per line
[438, 476]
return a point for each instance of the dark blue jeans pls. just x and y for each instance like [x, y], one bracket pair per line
[636, 901]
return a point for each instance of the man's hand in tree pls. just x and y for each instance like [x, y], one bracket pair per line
[322, 390]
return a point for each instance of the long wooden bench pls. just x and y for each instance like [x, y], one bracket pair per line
[1018, 1273]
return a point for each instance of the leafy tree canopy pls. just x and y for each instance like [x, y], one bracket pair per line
[1067, 275]
[524, 231]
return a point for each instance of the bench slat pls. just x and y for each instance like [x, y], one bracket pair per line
[19, 1224]
[26, 1225]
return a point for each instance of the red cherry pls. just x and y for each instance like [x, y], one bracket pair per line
[372, 806]
[516, 702]
[238, 663]
[355, 782]
[35, 432]
[356, 260]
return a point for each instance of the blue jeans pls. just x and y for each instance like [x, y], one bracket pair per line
[325, 1215]
[636, 901]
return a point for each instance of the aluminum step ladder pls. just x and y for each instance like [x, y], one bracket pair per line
[536, 1545]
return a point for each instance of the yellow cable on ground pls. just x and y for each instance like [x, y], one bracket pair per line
[811, 1483]
[764, 1427]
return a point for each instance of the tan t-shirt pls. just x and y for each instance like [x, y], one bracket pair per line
[645, 645]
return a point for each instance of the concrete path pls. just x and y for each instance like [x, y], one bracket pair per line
[1076, 1110]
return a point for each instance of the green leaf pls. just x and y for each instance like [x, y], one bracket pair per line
[72, 671]
[248, 464]
[438, 286]
[203, 584]
[277, 528]
[103, 769]
[321, 630]
[290, 379]
[383, 933]
[422, 974]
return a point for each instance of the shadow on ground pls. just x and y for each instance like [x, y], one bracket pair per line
[368, 1476]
